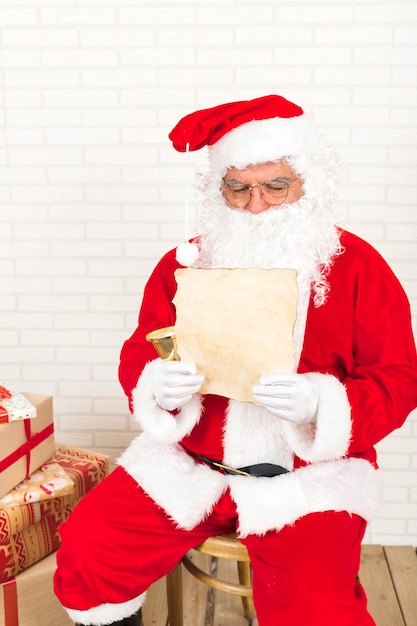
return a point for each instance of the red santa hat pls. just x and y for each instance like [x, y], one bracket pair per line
[246, 132]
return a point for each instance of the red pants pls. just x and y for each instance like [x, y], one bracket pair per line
[117, 542]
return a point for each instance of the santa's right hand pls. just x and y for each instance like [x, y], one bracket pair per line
[174, 383]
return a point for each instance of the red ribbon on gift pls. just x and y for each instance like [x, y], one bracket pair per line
[5, 393]
[11, 616]
[26, 448]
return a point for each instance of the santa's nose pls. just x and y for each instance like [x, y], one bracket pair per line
[257, 203]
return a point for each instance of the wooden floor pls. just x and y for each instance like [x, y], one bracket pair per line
[388, 573]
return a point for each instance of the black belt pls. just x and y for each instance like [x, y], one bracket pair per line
[266, 470]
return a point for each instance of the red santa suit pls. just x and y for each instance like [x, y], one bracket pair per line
[302, 528]
[358, 349]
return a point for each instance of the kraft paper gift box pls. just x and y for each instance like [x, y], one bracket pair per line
[29, 599]
[26, 444]
[30, 532]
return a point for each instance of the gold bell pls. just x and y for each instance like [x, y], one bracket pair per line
[164, 343]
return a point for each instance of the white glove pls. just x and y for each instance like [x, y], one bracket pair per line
[291, 397]
[174, 383]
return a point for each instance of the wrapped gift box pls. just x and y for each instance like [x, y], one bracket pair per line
[30, 532]
[31, 545]
[15, 519]
[29, 599]
[85, 468]
[26, 444]
[47, 482]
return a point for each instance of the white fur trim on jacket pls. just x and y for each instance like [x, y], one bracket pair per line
[328, 438]
[107, 613]
[264, 504]
[253, 435]
[165, 426]
[186, 490]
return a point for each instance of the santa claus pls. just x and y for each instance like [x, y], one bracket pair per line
[293, 471]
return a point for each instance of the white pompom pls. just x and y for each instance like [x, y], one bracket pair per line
[187, 253]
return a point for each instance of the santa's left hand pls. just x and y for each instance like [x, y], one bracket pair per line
[291, 397]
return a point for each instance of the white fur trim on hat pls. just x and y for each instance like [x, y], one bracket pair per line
[262, 141]
[187, 253]
[328, 438]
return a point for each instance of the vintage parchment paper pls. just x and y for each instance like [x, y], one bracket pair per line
[236, 324]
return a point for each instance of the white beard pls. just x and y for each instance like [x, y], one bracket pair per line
[292, 236]
[298, 236]
[301, 235]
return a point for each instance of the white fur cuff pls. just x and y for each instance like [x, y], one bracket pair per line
[328, 438]
[163, 425]
[107, 613]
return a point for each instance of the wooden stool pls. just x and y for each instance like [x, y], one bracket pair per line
[221, 546]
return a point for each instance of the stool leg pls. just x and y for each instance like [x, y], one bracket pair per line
[245, 578]
[174, 596]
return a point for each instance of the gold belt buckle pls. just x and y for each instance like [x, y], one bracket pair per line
[231, 469]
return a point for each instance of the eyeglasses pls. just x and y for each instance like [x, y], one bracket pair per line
[238, 195]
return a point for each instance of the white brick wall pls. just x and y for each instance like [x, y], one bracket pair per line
[92, 193]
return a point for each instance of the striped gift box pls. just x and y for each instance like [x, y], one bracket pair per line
[29, 532]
